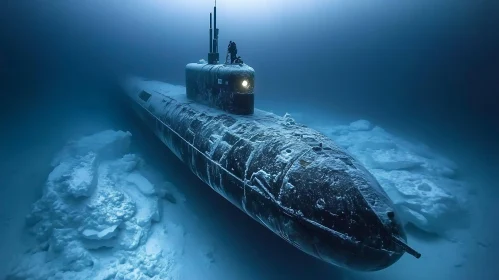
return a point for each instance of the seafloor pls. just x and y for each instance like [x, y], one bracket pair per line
[90, 197]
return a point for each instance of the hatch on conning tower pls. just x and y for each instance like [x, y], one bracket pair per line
[228, 87]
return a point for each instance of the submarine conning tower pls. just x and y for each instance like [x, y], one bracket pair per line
[228, 86]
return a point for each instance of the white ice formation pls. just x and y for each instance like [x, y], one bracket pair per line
[95, 216]
[424, 186]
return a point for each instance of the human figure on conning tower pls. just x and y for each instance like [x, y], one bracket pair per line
[232, 50]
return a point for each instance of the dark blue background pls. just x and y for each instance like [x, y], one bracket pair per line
[427, 68]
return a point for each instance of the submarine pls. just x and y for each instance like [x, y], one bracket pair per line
[288, 177]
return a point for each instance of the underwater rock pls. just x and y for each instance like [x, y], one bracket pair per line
[169, 197]
[169, 192]
[75, 257]
[424, 203]
[82, 179]
[60, 237]
[127, 164]
[95, 197]
[100, 235]
[141, 183]
[360, 125]
[109, 206]
[107, 144]
[394, 159]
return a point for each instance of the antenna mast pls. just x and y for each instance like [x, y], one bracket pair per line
[213, 55]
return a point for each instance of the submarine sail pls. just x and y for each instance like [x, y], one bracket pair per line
[288, 177]
[228, 87]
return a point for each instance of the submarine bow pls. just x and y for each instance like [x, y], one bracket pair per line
[288, 177]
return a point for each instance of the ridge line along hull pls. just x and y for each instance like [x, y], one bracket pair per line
[290, 178]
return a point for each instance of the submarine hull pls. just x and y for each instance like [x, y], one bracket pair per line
[288, 177]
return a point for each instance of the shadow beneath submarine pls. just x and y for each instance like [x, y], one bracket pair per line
[422, 235]
[266, 253]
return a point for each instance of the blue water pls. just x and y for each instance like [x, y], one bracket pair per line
[427, 70]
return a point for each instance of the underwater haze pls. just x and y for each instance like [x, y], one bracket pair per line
[409, 88]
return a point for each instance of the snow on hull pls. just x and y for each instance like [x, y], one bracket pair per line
[290, 178]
